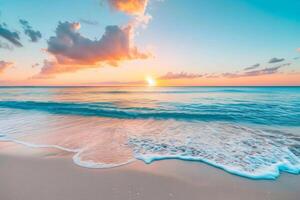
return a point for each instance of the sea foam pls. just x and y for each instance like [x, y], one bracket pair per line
[240, 150]
[255, 153]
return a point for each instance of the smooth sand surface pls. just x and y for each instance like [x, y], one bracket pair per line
[41, 176]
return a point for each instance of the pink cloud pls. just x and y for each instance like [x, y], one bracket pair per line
[73, 52]
[181, 75]
[4, 65]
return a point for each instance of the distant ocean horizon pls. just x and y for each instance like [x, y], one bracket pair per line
[152, 87]
[250, 131]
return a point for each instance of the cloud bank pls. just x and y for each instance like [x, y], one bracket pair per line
[247, 73]
[34, 36]
[181, 75]
[265, 71]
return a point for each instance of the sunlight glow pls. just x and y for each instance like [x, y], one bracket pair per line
[150, 81]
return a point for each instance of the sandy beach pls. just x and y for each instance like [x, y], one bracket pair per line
[149, 100]
[31, 174]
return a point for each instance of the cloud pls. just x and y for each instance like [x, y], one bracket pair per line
[132, 7]
[265, 71]
[4, 45]
[89, 22]
[33, 35]
[4, 65]
[252, 67]
[11, 36]
[136, 8]
[73, 52]
[52, 68]
[181, 75]
[250, 73]
[276, 60]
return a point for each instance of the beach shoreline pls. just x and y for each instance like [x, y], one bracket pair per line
[34, 174]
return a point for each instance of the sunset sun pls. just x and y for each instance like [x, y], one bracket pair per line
[150, 81]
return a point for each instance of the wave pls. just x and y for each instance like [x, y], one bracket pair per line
[106, 110]
[258, 113]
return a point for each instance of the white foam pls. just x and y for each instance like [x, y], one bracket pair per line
[243, 150]
[240, 150]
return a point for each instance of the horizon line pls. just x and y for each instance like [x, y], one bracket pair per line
[150, 86]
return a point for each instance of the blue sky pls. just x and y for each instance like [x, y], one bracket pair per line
[214, 36]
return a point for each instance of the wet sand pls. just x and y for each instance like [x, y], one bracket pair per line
[51, 175]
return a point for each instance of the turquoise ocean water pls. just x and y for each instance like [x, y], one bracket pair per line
[248, 131]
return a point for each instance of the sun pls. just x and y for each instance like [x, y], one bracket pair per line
[150, 81]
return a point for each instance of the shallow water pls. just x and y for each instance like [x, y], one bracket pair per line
[248, 131]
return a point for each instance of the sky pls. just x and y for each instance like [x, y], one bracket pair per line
[171, 42]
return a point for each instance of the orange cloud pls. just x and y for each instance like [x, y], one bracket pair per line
[133, 7]
[4, 65]
[73, 52]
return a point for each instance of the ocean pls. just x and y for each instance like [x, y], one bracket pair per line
[252, 132]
